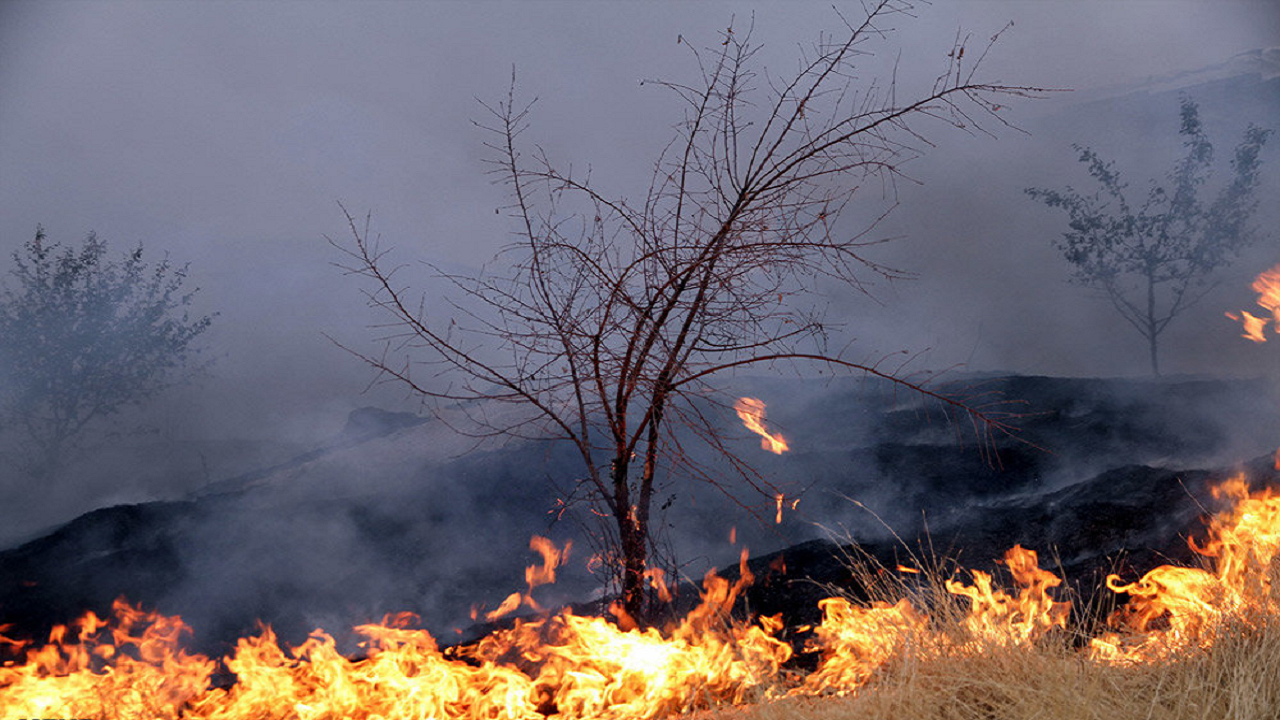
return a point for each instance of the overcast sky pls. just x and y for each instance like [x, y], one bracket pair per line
[225, 133]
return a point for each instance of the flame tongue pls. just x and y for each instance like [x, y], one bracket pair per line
[534, 576]
[1267, 285]
[998, 617]
[751, 412]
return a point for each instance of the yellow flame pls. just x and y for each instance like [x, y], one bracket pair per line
[751, 412]
[998, 617]
[1267, 285]
[1173, 608]
[1254, 327]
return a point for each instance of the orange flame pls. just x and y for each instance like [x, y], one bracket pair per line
[751, 412]
[1172, 608]
[1267, 285]
[534, 576]
[998, 617]
[1254, 327]
[565, 666]
[856, 641]
[139, 669]
[657, 578]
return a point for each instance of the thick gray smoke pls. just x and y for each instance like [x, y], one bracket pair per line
[224, 133]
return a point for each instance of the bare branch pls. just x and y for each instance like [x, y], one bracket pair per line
[607, 318]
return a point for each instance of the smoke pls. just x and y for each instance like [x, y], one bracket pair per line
[223, 134]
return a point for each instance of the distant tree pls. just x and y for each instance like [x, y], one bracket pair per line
[82, 337]
[1153, 259]
[613, 317]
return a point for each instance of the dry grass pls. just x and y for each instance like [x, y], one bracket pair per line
[1233, 673]
[1237, 678]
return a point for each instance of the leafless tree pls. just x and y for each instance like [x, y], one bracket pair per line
[612, 318]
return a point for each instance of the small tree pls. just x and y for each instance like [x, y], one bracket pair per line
[84, 337]
[613, 318]
[1153, 259]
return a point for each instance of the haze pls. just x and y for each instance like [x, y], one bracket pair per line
[225, 134]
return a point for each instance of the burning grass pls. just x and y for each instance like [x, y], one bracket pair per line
[1188, 643]
[1238, 679]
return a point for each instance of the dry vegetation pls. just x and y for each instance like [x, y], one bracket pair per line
[1239, 679]
[1236, 676]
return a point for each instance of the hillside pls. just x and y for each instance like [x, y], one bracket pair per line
[384, 520]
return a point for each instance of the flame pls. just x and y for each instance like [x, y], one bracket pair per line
[1267, 285]
[1000, 618]
[566, 666]
[1173, 608]
[856, 641]
[657, 578]
[534, 576]
[137, 668]
[563, 666]
[1253, 326]
[751, 412]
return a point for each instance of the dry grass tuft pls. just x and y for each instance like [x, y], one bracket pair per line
[1237, 678]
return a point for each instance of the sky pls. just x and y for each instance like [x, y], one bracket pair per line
[226, 133]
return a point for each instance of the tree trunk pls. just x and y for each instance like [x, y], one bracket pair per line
[634, 557]
[1152, 332]
[633, 537]
[1155, 360]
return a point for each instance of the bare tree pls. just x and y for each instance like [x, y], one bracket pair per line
[1153, 259]
[612, 319]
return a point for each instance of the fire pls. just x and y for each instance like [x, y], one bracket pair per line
[997, 617]
[534, 575]
[857, 641]
[1254, 327]
[751, 412]
[130, 668]
[565, 666]
[1267, 285]
[1173, 608]
[586, 667]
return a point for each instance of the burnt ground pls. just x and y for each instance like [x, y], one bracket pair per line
[1103, 476]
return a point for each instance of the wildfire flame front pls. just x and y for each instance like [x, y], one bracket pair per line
[565, 666]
